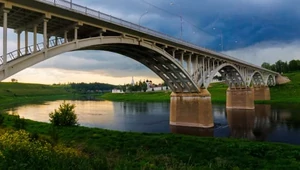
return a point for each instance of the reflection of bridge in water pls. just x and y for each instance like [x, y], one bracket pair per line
[255, 124]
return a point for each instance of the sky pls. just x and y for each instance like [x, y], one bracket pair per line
[256, 31]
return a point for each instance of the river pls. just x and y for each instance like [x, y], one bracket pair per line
[276, 123]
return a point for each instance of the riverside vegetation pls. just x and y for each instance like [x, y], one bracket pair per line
[26, 144]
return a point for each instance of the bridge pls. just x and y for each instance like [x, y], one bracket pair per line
[187, 68]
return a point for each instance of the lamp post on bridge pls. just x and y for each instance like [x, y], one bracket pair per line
[221, 37]
[181, 19]
[142, 16]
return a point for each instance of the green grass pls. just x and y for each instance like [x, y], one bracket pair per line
[12, 94]
[286, 93]
[138, 97]
[125, 150]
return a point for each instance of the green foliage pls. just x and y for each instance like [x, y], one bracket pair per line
[84, 87]
[19, 123]
[53, 132]
[64, 116]
[283, 67]
[1, 119]
[18, 150]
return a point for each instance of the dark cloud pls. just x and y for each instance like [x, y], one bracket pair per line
[241, 22]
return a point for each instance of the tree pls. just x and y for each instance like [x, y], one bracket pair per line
[293, 65]
[14, 80]
[64, 116]
[144, 86]
[266, 65]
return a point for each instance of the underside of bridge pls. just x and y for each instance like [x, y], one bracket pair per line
[186, 68]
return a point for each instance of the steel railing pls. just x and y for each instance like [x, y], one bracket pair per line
[30, 50]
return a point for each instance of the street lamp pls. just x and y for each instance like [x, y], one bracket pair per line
[142, 16]
[181, 20]
[221, 36]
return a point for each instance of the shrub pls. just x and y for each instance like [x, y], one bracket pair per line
[64, 116]
[19, 123]
[1, 119]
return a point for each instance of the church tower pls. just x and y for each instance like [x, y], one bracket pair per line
[132, 82]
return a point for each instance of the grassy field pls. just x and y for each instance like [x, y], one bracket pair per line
[12, 94]
[92, 148]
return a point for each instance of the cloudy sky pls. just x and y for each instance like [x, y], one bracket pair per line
[253, 30]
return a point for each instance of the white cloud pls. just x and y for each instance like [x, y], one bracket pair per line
[268, 52]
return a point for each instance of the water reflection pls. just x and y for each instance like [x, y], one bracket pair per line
[265, 123]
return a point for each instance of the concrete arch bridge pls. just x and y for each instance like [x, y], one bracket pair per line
[186, 68]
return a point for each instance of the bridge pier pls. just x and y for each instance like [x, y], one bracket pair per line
[191, 109]
[262, 93]
[240, 98]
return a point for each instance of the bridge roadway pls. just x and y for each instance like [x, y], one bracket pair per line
[188, 69]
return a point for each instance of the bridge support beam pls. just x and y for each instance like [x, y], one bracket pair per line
[240, 98]
[5, 12]
[26, 41]
[262, 93]
[35, 38]
[19, 42]
[191, 109]
[45, 34]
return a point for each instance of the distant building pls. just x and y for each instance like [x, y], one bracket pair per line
[117, 91]
[132, 82]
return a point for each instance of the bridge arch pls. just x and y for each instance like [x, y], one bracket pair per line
[256, 79]
[270, 80]
[230, 72]
[153, 57]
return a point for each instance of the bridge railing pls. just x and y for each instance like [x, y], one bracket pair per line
[108, 18]
[30, 49]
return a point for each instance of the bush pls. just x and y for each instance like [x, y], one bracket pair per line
[64, 116]
[18, 123]
[1, 119]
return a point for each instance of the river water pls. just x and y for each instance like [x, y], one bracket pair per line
[267, 123]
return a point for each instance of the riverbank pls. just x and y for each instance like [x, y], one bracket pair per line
[283, 94]
[106, 149]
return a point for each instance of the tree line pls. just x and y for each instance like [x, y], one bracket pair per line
[283, 67]
[84, 87]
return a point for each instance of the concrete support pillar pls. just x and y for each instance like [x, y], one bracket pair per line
[241, 98]
[262, 93]
[19, 43]
[35, 38]
[5, 12]
[45, 34]
[189, 63]
[76, 33]
[181, 58]
[26, 42]
[66, 36]
[173, 53]
[56, 40]
[191, 109]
